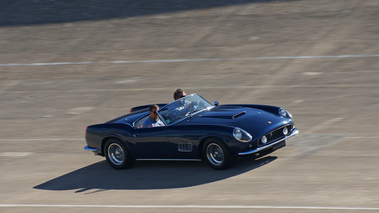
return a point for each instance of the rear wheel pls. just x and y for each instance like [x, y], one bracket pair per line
[117, 154]
[216, 154]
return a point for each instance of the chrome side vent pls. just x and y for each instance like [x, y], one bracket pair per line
[185, 147]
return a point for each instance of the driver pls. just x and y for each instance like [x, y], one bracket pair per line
[180, 107]
[153, 120]
[179, 93]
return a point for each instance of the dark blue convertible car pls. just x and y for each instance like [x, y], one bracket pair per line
[215, 133]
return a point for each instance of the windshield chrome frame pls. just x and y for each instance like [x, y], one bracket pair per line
[190, 114]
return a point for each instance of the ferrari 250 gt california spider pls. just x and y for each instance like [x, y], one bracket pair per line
[214, 133]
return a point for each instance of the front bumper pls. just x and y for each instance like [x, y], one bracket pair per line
[293, 133]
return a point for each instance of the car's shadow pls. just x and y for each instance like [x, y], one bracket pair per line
[149, 175]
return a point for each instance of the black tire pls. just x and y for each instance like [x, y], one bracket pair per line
[216, 154]
[117, 154]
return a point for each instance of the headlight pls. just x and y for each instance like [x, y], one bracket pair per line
[284, 113]
[241, 135]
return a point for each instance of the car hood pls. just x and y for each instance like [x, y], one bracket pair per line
[250, 119]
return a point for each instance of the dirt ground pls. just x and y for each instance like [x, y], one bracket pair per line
[65, 65]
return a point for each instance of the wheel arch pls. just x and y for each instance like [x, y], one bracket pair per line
[109, 137]
[205, 138]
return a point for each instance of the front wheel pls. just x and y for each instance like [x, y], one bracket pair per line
[216, 154]
[117, 155]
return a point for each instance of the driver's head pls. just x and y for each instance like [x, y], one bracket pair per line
[179, 93]
[153, 111]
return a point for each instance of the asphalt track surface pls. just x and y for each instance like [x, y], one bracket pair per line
[66, 66]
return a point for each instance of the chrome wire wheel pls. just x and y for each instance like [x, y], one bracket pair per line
[215, 154]
[116, 154]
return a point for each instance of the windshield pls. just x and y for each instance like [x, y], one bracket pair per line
[181, 108]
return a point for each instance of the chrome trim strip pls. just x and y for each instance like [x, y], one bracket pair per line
[294, 132]
[87, 148]
[155, 159]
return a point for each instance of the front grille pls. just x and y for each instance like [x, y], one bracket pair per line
[275, 135]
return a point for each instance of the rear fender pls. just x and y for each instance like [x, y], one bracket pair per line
[119, 131]
[118, 137]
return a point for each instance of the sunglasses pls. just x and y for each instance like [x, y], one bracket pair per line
[155, 112]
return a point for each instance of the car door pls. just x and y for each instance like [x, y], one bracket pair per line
[151, 142]
[183, 142]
